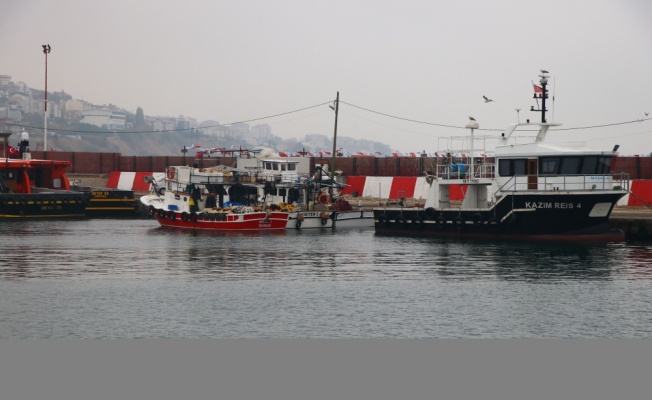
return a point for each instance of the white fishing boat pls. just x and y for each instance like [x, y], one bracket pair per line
[310, 201]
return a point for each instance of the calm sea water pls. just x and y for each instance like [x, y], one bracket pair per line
[105, 279]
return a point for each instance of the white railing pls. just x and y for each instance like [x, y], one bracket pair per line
[463, 171]
[566, 183]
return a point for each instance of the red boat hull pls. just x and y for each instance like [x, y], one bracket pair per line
[256, 221]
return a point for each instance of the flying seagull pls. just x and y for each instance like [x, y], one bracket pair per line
[487, 99]
[472, 119]
[646, 114]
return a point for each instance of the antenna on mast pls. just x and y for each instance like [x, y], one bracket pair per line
[541, 92]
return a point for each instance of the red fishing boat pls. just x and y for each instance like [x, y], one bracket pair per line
[239, 219]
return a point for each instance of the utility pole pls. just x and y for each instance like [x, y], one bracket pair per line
[336, 108]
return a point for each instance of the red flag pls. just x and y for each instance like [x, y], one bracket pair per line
[11, 151]
[538, 89]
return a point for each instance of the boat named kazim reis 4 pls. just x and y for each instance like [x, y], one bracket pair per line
[557, 190]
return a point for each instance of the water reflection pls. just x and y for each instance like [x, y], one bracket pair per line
[118, 249]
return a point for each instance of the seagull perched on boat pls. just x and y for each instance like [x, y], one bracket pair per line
[487, 99]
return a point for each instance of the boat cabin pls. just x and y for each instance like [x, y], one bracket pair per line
[20, 174]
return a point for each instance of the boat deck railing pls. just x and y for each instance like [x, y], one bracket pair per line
[565, 183]
[205, 179]
[460, 170]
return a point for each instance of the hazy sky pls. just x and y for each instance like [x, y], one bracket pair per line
[426, 60]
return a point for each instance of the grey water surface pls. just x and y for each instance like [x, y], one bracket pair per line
[110, 279]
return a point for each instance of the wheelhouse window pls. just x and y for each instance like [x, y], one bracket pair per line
[549, 166]
[570, 165]
[590, 165]
[575, 165]
[520, 167]
[512, 167]
[604, 165]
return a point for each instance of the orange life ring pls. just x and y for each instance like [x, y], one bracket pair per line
[170, 173]
[323, 198]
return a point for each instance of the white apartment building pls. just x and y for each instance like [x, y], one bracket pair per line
[111, 120]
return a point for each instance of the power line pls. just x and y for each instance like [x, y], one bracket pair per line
[401, 118]
[342, 102]
[489, 129]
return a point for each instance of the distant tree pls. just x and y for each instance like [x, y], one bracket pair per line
[139, 123]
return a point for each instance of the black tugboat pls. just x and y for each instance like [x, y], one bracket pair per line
[540, 190]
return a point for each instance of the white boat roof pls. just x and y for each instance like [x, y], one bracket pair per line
[279, 160]
[550, 148]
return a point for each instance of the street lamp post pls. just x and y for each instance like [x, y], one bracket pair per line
[336, 109]
[46, 51]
